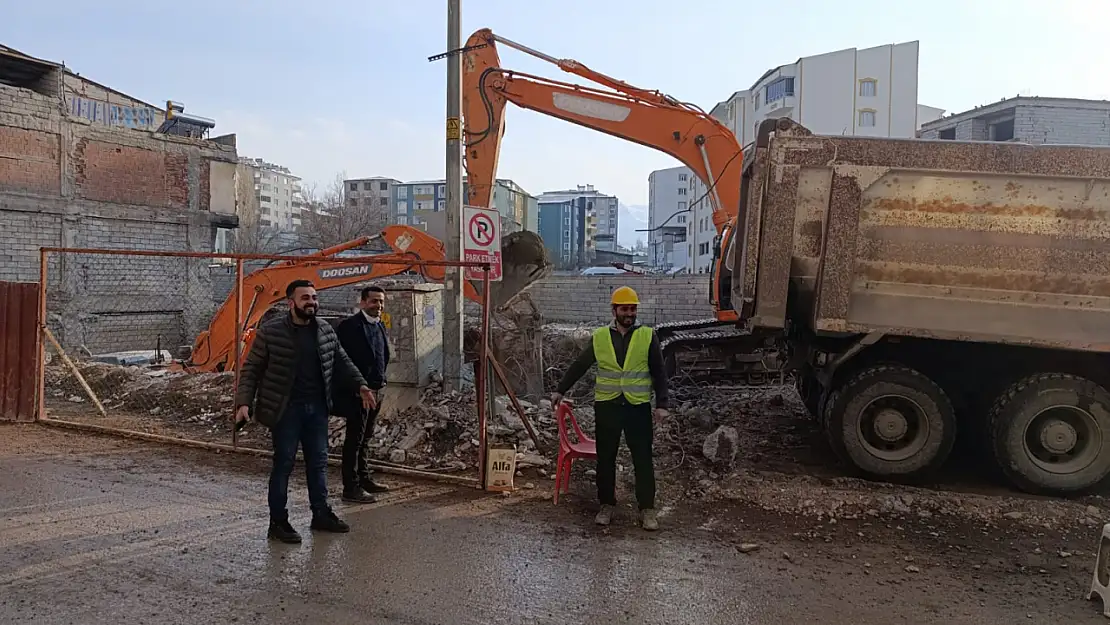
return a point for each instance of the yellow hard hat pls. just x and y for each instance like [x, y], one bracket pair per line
[625, 296]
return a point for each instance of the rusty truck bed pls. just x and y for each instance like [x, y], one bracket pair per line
[999, 242]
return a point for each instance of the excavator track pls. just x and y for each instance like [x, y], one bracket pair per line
[713, 352]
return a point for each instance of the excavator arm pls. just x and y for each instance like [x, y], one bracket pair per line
[523, 262]
[649, 118]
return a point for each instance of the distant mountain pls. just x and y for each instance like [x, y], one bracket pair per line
[630, 218]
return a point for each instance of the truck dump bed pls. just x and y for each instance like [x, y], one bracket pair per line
[995, 242]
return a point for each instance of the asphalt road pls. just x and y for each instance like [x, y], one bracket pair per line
[96, 530]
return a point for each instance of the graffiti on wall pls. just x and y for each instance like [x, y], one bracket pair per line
[143, 117]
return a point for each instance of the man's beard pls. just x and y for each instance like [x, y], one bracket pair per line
[307, 313]
[627, 320]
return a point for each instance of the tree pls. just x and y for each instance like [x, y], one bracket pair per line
[336, 215]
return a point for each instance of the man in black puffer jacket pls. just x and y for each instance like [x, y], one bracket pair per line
[288, 379]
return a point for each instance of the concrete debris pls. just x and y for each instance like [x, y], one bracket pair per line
[721, 446]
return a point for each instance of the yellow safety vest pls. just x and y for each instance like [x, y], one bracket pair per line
[634, 379]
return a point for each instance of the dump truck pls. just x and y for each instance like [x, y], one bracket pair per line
[921, 291]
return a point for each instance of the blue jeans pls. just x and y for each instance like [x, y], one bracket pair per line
[305, 424]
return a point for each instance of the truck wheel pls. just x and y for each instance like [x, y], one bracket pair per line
[1050, 434]
[891, 421]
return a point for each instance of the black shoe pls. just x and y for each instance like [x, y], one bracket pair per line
[357, 495]
[371, 486]
[328, 522]
[283, 531]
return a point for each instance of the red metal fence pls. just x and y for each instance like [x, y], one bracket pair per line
[19, 350]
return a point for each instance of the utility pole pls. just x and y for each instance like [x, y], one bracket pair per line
[453, 303]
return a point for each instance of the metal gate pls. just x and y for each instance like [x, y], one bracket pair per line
[19, 350]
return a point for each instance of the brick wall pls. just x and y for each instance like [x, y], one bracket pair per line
[585, 299]
[67, 182]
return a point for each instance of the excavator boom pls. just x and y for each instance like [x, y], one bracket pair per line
[649, 118]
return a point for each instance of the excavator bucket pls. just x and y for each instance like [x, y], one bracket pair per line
[523, 261]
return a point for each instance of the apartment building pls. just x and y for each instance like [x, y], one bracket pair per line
[668, 217]
[279, 194]
[870, 92]
[374, 195]
[601, 210]
[566, 227]
[423, 203]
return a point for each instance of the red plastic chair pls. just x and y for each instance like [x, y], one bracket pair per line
[585, 448]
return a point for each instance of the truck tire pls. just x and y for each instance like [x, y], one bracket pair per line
[891, 422]
[1050, 434]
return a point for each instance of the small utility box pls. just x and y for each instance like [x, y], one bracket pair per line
[415, 331]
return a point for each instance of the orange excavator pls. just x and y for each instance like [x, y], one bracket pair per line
[524, 261]
[650, 118]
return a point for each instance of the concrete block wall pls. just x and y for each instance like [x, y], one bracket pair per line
[1082, 124]
[585, 299]
[67, 182]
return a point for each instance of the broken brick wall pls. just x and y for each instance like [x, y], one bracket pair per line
[68, 182]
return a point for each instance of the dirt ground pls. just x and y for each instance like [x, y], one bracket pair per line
[794, 548]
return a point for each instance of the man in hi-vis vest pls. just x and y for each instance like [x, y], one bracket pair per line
[629, 366]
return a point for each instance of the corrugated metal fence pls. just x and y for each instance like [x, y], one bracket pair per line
[19, 350]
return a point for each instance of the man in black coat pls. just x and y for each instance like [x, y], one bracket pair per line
[363, 337]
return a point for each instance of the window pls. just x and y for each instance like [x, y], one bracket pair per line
[868, 87]
[757, 99]
[1001, 130]
[682, 177]
[566, 234]
[402, 192]
[566, 245]
[383, 201]
[265, 198]
[366, 186]
[352, 201]
[424, 205]
[948, 134]
[383, 186]
[404, 221]
[354, 186]
[780, 89]
[566, 221]
[265, 210]
[681, 191]
[440, 205]
[682, 219]
[866, 119]
[424, 189]
[402, 208]
[682, 207]
[441, 190]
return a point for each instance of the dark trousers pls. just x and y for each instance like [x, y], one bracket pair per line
[304, 424]
[610, 420]
[356, 442]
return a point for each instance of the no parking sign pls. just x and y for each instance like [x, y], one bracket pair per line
[482, 241]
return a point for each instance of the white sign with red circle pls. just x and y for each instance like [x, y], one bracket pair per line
[482, 241]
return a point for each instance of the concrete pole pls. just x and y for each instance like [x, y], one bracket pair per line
[453, 304]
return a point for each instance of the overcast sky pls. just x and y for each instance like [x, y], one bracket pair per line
[336, 85]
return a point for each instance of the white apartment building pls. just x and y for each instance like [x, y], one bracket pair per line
[668, 216]
[601, 211]
[870, 92]
[279, 194]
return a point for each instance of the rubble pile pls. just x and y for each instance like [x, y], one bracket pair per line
[441, 432]
[202, 398]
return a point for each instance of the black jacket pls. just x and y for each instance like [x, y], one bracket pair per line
[354, 334]
[587, 358]
[266, 380]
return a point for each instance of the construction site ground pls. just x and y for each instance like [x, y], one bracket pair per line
[96, 529]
